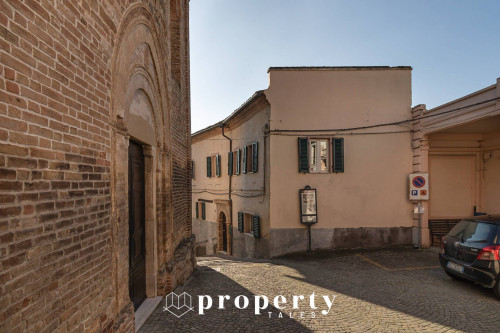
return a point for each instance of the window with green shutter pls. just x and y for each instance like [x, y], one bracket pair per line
[230, 163]
[255, 156]
[244, 159]
[303, 156]
[217, 165]
[256, 226]
[338, 154]
[203, 216]
[197, 211]
[209, 166]
[240, 222]
[238, 161]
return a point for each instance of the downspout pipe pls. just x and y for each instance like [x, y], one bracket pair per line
[230, 149]
[222, 125]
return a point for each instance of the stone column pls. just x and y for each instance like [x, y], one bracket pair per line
[151, 221]
[420, 146]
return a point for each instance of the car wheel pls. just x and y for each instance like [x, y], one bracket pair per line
[496, 289]
[455, 277]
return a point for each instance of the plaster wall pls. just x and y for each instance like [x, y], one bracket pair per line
[372, 192]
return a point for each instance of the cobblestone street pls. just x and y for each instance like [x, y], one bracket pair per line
[400, 290]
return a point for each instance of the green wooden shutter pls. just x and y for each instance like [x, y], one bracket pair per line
[209, 166]
[197, 211]
[238, 161]
[303, 156]
[338, 154]
[230, 163]
[241, 222]
[256, 226]
[245, 159]
[255, 156]
[217, 165]
[203, 216]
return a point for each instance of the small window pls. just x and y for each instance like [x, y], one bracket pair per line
[230, 163]
[217, 165]
[213, 166]
[318, 155]
[237, 161]
[321, 155]
[245, 158]
[249, 224]
[200, 210]
[209, 166]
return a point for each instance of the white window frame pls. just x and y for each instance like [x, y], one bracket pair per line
[318, 157]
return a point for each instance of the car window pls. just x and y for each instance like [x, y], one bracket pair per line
[474, 231]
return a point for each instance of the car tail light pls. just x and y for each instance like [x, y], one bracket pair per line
[442, 244]
[489, 253]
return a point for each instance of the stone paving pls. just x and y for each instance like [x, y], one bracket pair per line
[399, 290]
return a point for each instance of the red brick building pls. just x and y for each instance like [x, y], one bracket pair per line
[94, 161]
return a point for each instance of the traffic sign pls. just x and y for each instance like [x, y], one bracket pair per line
[419, 186]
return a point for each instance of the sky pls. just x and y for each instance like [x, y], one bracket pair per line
[453, 46]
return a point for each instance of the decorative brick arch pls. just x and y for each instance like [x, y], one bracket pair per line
[139, 110]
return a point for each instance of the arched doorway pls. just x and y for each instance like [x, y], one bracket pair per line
[223, 231]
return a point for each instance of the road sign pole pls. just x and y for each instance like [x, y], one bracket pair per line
[309, 250]
[419, 226]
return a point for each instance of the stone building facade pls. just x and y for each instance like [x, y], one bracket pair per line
[82, 84]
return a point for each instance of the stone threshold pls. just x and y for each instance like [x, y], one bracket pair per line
[145, 310]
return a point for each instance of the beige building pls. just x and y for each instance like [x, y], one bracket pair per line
[317, 127]
[458, 144]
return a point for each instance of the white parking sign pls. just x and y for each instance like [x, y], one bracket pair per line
[419, 186]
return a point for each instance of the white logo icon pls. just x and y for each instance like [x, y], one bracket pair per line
[178, 305]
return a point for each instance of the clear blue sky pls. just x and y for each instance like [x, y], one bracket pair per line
[453, 46]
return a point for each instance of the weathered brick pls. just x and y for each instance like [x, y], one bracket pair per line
[7, 174]
[9, 211]
[56, 147]
[13, 124]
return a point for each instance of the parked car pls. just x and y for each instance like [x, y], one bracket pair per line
[471, 251]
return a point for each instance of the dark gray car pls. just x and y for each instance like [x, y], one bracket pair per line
[471, 251]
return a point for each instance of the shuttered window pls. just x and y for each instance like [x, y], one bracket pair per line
[255, 157]
[241, 227]
[249, 224]
[230, 163]
[244, 164]
[209, 166]
[256, 226]
[303, 160]
[217, 165]
[200, 210]
[338, 154]
[238, 161]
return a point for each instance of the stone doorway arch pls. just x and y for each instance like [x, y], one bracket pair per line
[139, 113]
[224, 226]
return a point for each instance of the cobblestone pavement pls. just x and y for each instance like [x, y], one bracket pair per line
[400, 290]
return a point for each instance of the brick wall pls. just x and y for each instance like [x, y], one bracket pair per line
[55, 158]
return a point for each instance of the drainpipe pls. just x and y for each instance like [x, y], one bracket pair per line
[222, 125]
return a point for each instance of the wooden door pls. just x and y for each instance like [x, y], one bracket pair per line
[137, 248]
